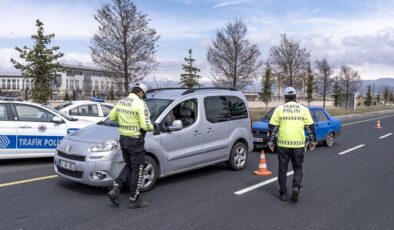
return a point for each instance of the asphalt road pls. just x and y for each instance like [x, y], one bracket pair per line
[353, 190]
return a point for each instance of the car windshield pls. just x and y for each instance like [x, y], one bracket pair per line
[269, 114]
[155, 106]
[61, 114]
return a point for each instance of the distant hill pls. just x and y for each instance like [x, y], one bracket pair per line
[380, 83]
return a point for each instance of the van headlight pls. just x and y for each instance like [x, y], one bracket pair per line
[109, 145]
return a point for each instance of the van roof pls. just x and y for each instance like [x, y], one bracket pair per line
[174, 93]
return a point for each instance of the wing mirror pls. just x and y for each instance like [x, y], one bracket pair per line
[176, 126]
[57, 120]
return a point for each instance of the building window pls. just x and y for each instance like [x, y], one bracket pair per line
[69, 73]
[17, 85]
[107, 85]
[66, 84]
[8, 84]
[102, 85]
[77, 84]
[72, 84]
[96, 86]
[3, 83]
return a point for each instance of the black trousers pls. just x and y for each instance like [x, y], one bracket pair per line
[133, 152]
[296, 155]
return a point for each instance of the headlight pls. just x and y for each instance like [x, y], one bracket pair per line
[109, 145]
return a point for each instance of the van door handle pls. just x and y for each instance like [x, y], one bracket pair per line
[24, 127]
[210, 130]
[196, 133]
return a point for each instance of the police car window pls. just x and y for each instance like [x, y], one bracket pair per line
[320, 115]
[61, 106]
[88, 110]
[3, 113]
[237, 108]
[33, 113]
[106, 109]
[216, 109]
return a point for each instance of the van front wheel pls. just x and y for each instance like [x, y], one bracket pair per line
[238, 157]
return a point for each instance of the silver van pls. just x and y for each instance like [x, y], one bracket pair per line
[196, 128]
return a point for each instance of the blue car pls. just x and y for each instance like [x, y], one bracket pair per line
[327, 127]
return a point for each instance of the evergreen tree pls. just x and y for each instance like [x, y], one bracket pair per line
[267, 82]
[386, 94]
[40, 64]
[1, 92]
[190, 78]
[67, 97]
[391, 98]
[337, 96]
[309, 85]
[368, 97]
[378, 99]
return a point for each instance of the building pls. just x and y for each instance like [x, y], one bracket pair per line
[74, 81]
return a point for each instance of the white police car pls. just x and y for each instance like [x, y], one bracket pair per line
[29, 130]
[88, 110]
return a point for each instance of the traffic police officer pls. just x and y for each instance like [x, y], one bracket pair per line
[287, 126]
[132, 114]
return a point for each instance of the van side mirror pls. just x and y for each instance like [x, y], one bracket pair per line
[57, 120]
[176, 126]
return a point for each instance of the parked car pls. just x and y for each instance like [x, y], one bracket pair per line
[29, 130]
[196, 128]
[327, 127]
[93, 110]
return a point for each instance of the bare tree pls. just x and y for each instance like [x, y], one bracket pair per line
[350, 80]
[290, 61]
[124, 43]
[233, 59]
[323, 79]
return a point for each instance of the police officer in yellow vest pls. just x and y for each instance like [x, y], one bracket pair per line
[287, 126]
[132, 114]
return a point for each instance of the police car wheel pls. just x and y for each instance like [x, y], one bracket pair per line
[330, 139]
[238, 157]
[150, 174]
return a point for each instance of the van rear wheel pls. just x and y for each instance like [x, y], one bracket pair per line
[238, 157]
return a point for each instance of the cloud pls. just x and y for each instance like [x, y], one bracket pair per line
[65, 20]
[230, 3]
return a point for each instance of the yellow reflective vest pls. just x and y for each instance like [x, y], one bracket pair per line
[291, 118]
[132, 114]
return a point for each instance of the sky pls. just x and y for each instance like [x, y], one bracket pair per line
[352, 32]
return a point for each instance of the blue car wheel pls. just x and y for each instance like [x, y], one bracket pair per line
[330, 139]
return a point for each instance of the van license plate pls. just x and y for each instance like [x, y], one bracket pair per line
[67, 165]
[258, 139]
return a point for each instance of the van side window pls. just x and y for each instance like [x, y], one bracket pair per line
[217, 109]
[237, 108]
[185, 111]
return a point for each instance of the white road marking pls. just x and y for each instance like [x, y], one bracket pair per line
[248, 189]
[356, 122]
[385, 135]
[349, 150]
[27, 181]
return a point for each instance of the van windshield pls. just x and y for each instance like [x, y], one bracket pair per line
[155, 106]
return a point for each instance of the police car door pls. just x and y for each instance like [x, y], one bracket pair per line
[7, 132]
[37, 134]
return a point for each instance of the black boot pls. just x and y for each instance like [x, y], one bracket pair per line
[113, 194]
[295, 193]
[283, 196]
[138, 203]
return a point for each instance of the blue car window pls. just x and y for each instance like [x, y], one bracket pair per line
[321, 116]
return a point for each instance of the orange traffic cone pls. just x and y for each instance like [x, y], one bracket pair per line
[378, 125]
[262, 171]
